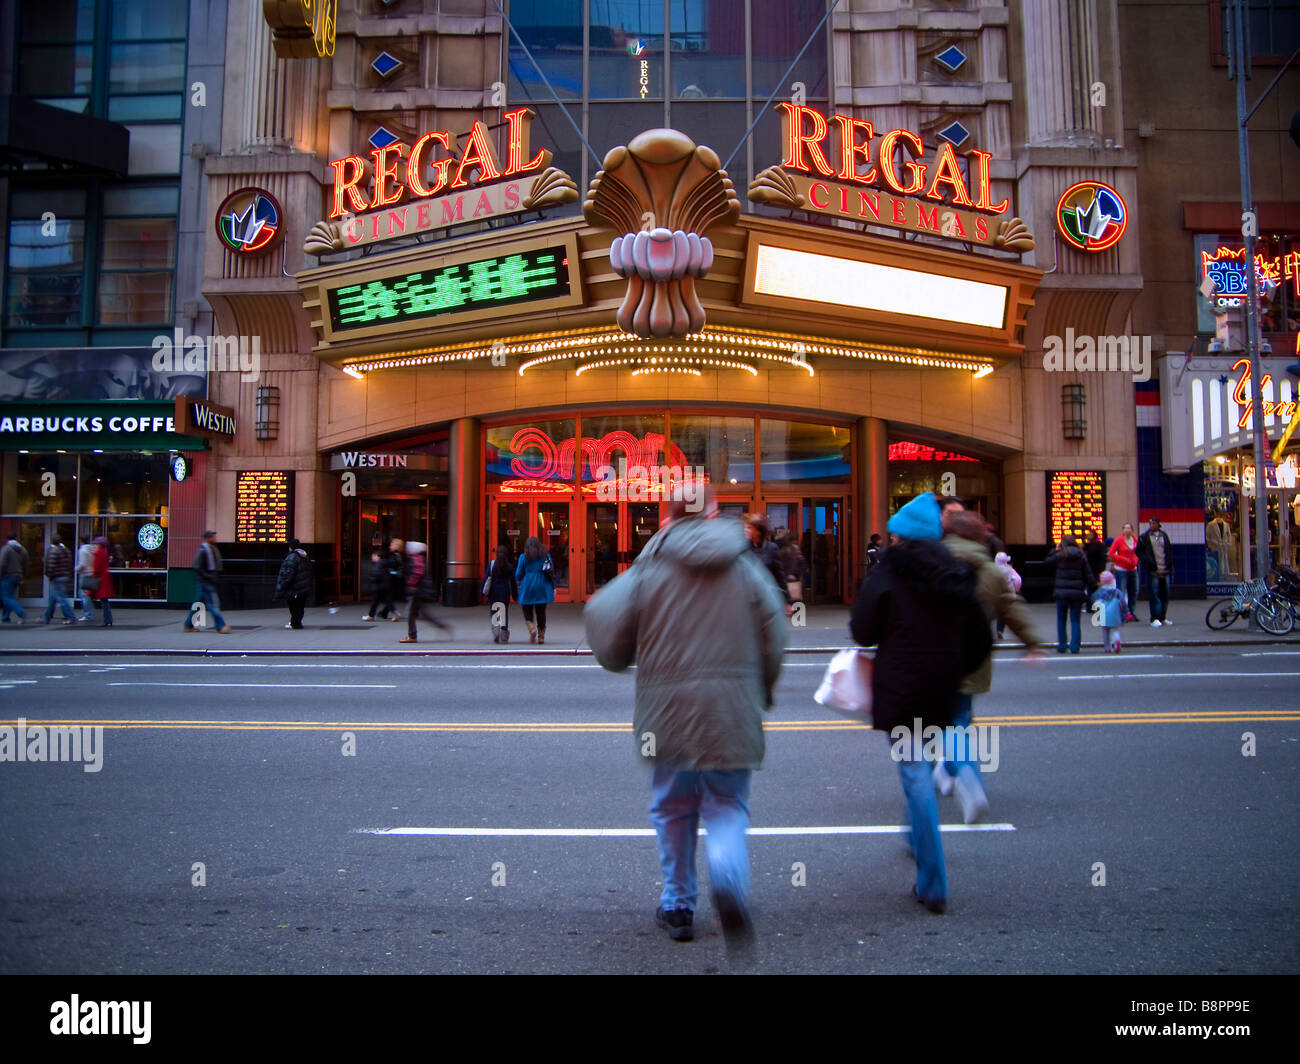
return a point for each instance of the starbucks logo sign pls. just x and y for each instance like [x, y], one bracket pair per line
[150, 536]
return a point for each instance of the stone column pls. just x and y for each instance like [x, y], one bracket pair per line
[872, 454]
[464, 504]
[1062, 63]
[280, 95]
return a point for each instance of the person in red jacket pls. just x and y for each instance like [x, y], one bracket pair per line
[99, 568]
[1123, 554]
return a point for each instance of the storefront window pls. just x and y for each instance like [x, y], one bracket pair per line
[919, 467]
[123, 484]
[797, 456]
[724, 446]
[40, 484]
[533, 458]
[637, 439]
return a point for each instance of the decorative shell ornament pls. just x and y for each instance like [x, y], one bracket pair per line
[323, 238]
[551, 188]
[1013, 235]
[661, 193]
[775, 188]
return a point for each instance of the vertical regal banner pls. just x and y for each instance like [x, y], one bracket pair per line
[661, 193]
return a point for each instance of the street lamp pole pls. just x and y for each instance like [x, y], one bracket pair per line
[1239, 60]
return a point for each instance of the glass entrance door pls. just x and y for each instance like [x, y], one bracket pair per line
[616, 534]
[822, 541]
[34, 533]
[512, 521]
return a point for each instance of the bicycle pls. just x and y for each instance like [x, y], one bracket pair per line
[1273, 611]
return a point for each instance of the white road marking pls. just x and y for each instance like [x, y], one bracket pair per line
[1271, 654]
[639, 833]
[1174, 675]
[338, 686]
[103, 667]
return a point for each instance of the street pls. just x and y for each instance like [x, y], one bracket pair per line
[382, 815]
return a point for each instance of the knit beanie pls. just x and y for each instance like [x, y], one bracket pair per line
[919, 519]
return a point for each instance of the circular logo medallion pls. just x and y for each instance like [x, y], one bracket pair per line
[250, 221]
[1091, 216]
[150, 536]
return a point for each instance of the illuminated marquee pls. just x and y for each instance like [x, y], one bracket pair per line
[477, 154]
[455, 289]
[638, 472]
[1227, 268]
[803, 153]
[1245, 404]
[1076, 504]
[804, 275]
[263, 506]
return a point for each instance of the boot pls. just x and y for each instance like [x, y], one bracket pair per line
[532, 631]
[505, 635]
[541, 635]
[496, 633]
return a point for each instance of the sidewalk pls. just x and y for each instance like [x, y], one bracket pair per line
[340, 631]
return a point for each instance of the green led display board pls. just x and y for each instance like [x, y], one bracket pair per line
[466, 286]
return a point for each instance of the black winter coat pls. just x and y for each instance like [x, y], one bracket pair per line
[1147, 555]
[381, 572]
[502, 583]
[1074, 576]
[294, 580]
[770, 555]
[918, 604]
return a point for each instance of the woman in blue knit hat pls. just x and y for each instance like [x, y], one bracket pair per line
[918, 607]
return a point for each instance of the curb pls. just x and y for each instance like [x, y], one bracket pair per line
[548, 652]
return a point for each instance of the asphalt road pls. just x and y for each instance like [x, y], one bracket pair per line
[241, 768]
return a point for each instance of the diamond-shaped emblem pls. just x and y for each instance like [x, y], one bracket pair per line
[951, 58]
[956, 134]
[384, 64]
[381, 138]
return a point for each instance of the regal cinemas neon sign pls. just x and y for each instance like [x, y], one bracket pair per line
[638, 475]
[401, 174]
[874, 178]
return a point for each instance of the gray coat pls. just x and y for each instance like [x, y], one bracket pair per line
[13, 560]
[705, 624]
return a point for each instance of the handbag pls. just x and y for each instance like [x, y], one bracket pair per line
[90, 583]
[846, 687]
[547, 571]
[487, 583]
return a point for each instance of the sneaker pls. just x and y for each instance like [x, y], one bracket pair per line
[942, 781]
[1168, 623]
[678, 923]
[938, 906]
[367, 617]
[1155, 624]
[737, 928]
[288, 626]
[187, 628]
[224, 629]
[408, 639]
[974, 802]
[69, 621]
[394, 616]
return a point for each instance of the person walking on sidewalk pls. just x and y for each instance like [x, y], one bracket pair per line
[420, 591]
[85, 566]
[918, 607]
[499, 587]
[536, 579]
[382, 565]
[1157, 554]
[1003, 562]
[207, 570]
[1109, 605]
[1074, 580]
[1123, 555]
[294, 582]
[397, 577]
[58, 571]
[966, 539]
[99, 572]
[13, 567]
[704, 623]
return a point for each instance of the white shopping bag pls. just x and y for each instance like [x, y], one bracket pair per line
[846, 687]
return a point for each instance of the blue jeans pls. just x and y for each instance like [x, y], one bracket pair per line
[677, 799]
[1063, 607]
[59, 597]
[1128, 583]
[87, 603]
[9, 598]
[923, 822]
[1159, 588]
[108, 611]
[208, 596]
